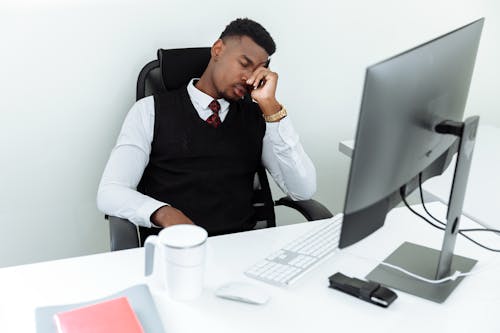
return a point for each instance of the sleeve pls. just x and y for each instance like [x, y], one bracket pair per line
[287, 162]
[117, 194]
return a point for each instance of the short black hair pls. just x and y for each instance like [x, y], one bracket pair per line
[252, 29]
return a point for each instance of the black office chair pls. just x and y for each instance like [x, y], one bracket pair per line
[173, 69]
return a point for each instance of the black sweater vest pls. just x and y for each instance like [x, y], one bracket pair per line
[205, 172]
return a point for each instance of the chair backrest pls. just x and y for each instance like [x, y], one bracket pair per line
[175, 68]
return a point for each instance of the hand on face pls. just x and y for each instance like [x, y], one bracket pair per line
[263, 84]
[241, 59]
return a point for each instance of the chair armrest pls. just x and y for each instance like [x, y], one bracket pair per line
[311, 209]
[123, 234]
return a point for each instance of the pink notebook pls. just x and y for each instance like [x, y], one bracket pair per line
[113, 316]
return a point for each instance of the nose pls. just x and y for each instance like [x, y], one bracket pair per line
[246, 74]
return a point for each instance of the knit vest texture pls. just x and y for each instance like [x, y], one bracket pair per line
[205, 172]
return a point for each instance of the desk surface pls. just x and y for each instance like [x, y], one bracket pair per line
[483, 194]
[308, 306]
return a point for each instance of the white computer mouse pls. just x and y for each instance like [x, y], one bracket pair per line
[243, 292]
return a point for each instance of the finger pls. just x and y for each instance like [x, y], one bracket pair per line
[269, 79]
[260, 79]
[257, 75]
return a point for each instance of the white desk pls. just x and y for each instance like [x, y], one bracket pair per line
[308, 306]
[483, 188]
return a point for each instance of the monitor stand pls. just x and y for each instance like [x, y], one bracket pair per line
[405, 256]
[427, 262]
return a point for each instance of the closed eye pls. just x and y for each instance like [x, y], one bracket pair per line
[245, 61]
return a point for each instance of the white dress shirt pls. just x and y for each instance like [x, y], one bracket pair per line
[282, 156]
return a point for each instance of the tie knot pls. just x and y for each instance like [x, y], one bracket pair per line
[214, 106]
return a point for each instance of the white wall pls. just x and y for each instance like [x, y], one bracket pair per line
[67, 79]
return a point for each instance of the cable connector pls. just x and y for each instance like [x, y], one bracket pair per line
[455, 275]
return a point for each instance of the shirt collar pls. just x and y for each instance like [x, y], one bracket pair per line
[203, 100]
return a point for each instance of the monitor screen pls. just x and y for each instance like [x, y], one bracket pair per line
[410, 125]
[404, 98]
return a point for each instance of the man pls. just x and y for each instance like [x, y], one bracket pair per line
[190, 155]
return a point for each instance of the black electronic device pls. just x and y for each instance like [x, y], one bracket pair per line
[410, 125]
[369, 291]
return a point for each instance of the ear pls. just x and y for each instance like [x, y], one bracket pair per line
[217, 49]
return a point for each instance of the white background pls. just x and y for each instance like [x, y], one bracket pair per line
[68, 72]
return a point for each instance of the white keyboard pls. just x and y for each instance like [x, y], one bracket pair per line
[290, 263]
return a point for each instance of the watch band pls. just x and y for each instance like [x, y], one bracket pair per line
[275, 116]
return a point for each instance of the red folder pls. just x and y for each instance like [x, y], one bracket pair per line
[113, 316]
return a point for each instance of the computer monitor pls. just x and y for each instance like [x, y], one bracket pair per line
[410, 125]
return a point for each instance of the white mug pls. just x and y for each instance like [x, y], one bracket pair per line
[183, 247]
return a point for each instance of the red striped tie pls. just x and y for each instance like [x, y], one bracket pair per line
[214, 119]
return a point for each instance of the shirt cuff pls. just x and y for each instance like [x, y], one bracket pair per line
[146, 210]
[282, 132]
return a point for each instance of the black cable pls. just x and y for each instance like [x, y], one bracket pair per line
[435, 219]
[423, 201]
[481, 229]
[418, 214]
[461, 231]
[477, 243]
[441, 228]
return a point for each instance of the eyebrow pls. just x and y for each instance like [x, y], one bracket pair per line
[250, 60]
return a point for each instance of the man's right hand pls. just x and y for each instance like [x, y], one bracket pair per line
[167, 215]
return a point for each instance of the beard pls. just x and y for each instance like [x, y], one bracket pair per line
[227, 97]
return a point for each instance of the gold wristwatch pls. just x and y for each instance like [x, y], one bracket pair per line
[275, 116]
